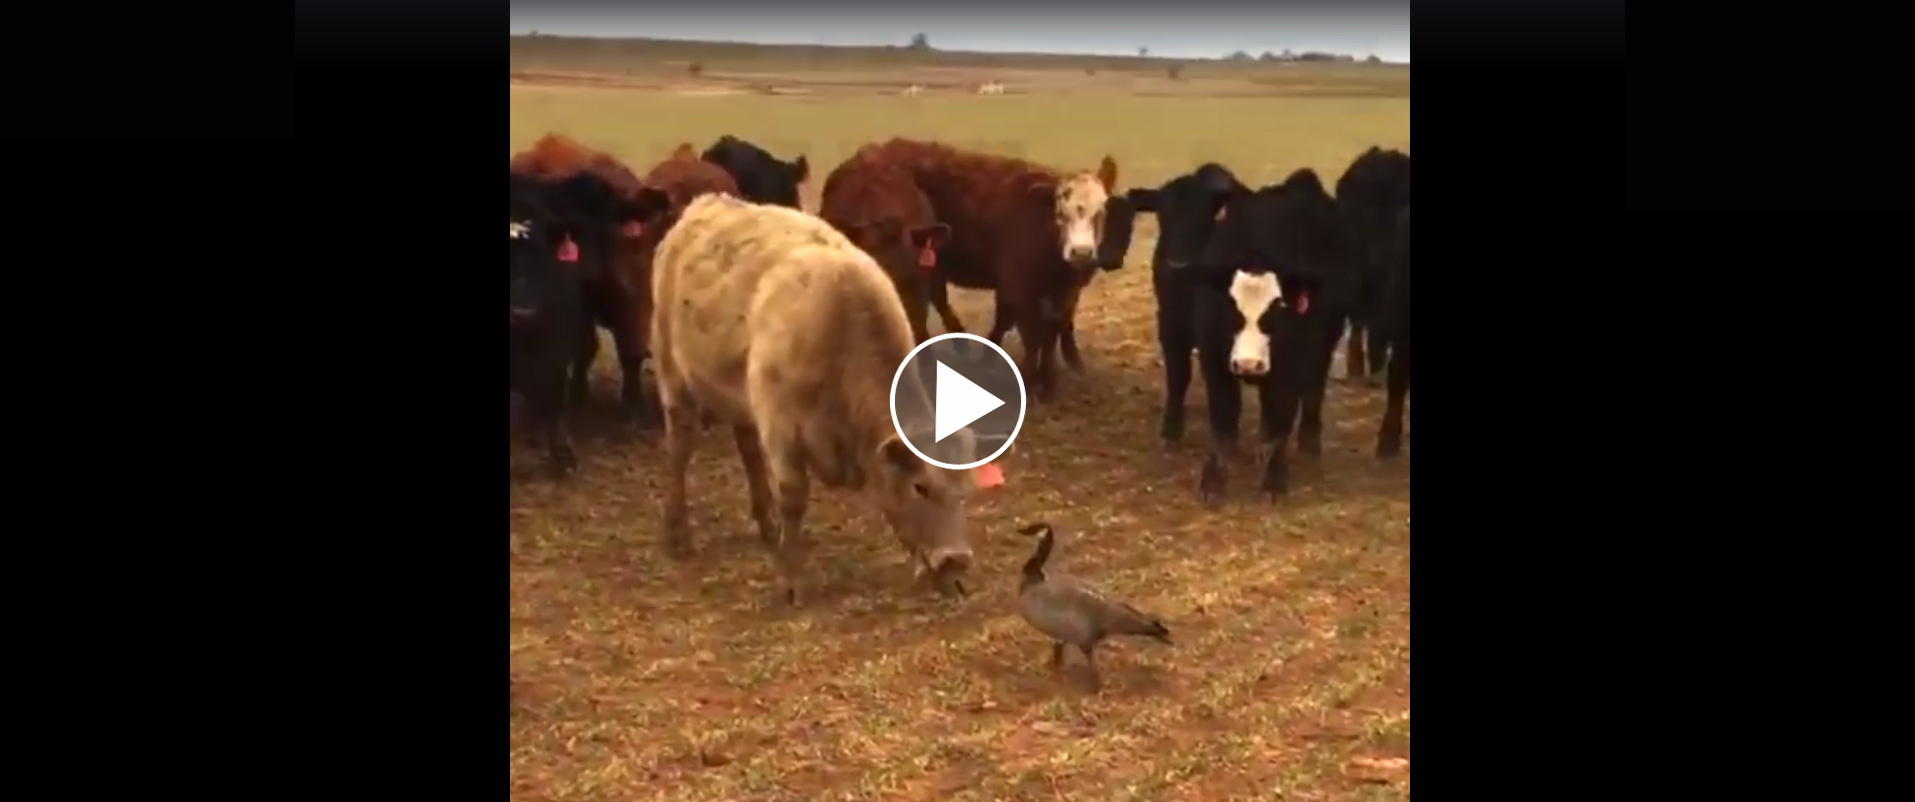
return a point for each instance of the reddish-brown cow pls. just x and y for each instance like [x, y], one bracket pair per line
[878, 206]
[681, 177]
[1028, 231]
[613, 295]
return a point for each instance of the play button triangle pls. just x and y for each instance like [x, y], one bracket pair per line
[960, 401]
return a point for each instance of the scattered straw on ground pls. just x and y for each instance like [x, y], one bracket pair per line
[641, 678]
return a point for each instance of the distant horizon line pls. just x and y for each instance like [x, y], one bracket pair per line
[539, 34]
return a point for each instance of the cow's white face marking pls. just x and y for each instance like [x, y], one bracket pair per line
[1254, 294]
[1080, 216]
[520, 230]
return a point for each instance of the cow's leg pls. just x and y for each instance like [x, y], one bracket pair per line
[1380, 347]
[548, 399]
[581, 379]
[1174, 339]
[1354, 363]
[1226, 409]
[793, 489]
[628, 336]
[1003, 317]
[941, 300]
[1068, 341]
[1389, 437]
[920, 329]
[682, 427]
[1068, 337]
[1313, 381]
[752, 454]
[1278, 398]
[1038, 332]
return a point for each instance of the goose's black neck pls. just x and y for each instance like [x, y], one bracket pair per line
[1034, 567]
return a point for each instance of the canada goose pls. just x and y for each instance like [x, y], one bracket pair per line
[1072, 612]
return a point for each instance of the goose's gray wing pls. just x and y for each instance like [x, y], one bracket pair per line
[1109, 614]
[1061, 610]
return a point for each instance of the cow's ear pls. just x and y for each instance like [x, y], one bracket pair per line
[651, 202]
[894, 455]
[931, 236]
[800, 169]
[1107, 174]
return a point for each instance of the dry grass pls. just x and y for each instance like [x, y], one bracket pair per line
[640, 678]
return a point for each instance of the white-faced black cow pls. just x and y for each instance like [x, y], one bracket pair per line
[1283, 259]
[1262, 300]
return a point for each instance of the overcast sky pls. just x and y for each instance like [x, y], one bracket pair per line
[1190, 28]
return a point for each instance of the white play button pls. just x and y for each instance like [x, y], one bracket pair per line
[960, 401]
[955, 382]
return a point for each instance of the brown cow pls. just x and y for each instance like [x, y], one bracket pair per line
[1025, 230]
[614, 293]
[879, 208]
[627, 313]
[771, 321]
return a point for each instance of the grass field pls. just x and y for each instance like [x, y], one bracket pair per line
[641, 678]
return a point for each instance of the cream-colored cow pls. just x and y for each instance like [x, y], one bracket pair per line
[769, 320]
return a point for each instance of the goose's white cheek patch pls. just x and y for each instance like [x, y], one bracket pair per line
[1254, 294]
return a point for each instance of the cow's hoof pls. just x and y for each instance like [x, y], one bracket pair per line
[564, 465]
[1210, 485]
[1388, 448]
[1310, 446]
[675, 536]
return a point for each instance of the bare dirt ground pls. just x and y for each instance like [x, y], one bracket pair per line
[637, 677]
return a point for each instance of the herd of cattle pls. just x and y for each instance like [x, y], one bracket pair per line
[789, 326]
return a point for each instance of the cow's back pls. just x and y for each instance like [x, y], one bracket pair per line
[998, 208]
[866, 187]
[764, 311]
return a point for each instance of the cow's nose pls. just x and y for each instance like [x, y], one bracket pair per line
[1077, 254]
[1249, 367]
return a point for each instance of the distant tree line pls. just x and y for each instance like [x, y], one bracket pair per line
[1306, 56]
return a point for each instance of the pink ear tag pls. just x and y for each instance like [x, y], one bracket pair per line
[1303, 303]
[988, 475]
[568, 251]
[632, 228]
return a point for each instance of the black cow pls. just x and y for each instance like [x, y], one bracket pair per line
[1268, 294]
[1187, 208]
[1394, 320]
[1370, 193]
[561, 236]
[760, 176]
